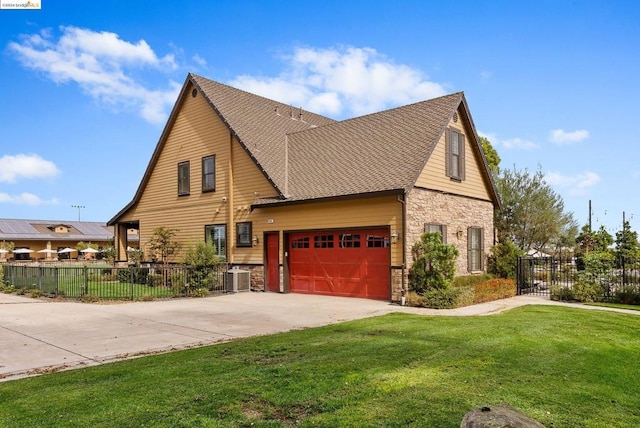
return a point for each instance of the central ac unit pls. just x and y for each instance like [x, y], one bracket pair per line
[237, 280]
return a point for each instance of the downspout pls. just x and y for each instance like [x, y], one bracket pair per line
[403, 294]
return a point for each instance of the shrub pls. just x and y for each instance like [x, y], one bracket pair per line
[503, 260]
[147, 297]
[433, 263]
[562, 293]
[34, 293]
[200, 292]
[139, 275]
[628, 296]
[494, 289]
[415, 300]
[7, 288]
[587, 291]
[89, 298]
[154, 280]
[441, 298]
[470, 281]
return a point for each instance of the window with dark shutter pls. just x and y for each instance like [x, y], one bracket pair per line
[455, 155]
[439, 228]
[209, 174]
[475, 249]
[243, 234]
[183, 178]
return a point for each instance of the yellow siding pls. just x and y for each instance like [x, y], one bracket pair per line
[379, 211]
[198, 132]
[434, 176]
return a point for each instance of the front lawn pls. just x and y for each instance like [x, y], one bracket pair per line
[562, 366]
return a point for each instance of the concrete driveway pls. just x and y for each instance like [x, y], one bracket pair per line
[41, 336]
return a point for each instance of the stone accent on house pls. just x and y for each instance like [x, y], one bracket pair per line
[457, 213]
[396, 284]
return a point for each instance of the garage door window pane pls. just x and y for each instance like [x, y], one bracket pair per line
[375, 241]
[348, 240]
[323, 241]
[300, 243]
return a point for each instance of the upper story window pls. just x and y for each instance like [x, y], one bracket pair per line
[439, 228]
[183, 178]
[455, 155]
[209, 174]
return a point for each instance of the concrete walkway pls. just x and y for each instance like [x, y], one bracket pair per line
[41, 336]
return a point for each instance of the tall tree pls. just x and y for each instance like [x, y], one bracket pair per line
[493, 159]
[589, 241]
[532, 215]
[627, 246]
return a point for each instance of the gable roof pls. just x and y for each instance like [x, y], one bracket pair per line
[378, 152]
[306, 156]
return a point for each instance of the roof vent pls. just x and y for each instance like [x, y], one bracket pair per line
[194, 92]
[455, 117]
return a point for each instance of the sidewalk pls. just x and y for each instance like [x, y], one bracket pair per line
[40, 336]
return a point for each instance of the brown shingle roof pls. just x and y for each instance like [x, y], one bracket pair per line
[317, 157]
[373, 153]
[260, 124]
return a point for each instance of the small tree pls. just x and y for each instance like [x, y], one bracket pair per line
[202, 256]
[627, 247]
[504, 259]
[434, 263]
[163, 244]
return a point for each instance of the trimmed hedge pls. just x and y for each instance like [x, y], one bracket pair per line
[465, 290]
[494, 289]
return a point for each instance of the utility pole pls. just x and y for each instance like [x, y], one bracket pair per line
[79, 207]
[589, 215]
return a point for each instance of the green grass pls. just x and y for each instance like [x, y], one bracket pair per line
[615, 305]
[562, 366]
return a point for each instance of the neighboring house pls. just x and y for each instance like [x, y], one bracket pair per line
[313, 205]
[41, 239]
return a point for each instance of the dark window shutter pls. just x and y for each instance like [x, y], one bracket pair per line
[481, 248]
[461, 145]
[447, 162]
[469, 249]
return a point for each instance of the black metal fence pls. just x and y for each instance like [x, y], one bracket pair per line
[572, 278]
[117, 283]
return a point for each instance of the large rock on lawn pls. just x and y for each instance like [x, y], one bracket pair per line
[500, 416]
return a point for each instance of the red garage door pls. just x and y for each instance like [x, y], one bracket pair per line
[354, 263]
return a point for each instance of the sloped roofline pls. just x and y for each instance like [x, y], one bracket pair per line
[177, 106]
[486, 171]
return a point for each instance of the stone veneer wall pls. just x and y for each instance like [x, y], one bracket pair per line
[457, 213]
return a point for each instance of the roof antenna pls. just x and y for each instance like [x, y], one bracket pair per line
[301, 115]
[291, 112]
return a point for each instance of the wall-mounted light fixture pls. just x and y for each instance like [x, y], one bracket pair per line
[459, 234]
[254, 240]
[394, 237]
[224, 199]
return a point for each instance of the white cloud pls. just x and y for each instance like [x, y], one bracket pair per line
[25, 199]
[341, 81]
[102, 65]
[486, 75]
[199, 60]
[15, 167]
[560, 136]
[575, 184]
[511, 143]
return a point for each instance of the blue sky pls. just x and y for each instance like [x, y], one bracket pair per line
[86, 87]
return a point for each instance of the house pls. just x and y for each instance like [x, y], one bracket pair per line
[313, 205]
[42, 239]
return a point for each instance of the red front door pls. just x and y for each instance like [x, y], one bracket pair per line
[273, 261]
